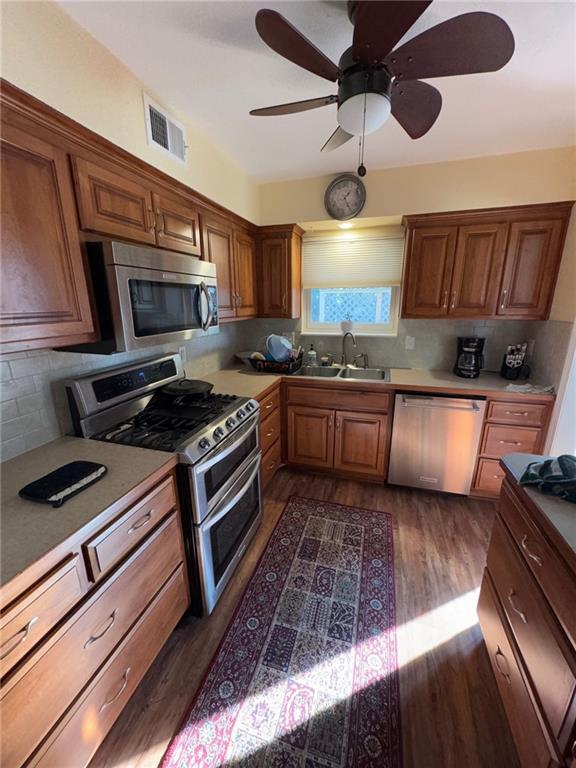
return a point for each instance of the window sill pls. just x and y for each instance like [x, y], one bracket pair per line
[357, 334]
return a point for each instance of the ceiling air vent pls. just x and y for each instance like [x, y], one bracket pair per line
[164, 132]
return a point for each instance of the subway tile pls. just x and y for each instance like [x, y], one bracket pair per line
[29, 366]
[5, 372]
[30, 403]
[16, 388]
[12, 448]
[8, 410]
[11, 428]
[12, 355]
[39, 437]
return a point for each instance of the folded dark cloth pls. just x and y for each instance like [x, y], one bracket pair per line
[556, 477]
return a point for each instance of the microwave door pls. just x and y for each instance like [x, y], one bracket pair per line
[154, 307]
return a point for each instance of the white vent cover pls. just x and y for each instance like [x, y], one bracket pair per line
[164, 132]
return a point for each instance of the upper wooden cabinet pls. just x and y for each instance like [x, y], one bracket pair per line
[490, 263]
[44, 295]
[234, 253]
[279, 270]
[116, 204]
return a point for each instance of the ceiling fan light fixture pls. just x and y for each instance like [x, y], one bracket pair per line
[351, 113]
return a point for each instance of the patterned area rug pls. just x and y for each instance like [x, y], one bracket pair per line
[306, 675]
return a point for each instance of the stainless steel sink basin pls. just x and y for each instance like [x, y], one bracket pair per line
[366, 374]
[318, 370]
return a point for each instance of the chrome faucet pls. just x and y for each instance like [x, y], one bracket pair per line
[348, 333]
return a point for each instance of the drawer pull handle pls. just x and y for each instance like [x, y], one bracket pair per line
[508, 442]
[141, 522]
[497, 656]
[531, 555]
[120, 691]
[574, 749]
[269, 405]
[511, 596]
[17, 638]
[107, 627]
[269, 434]
[517, 413]
[497, 477]
[503, 299]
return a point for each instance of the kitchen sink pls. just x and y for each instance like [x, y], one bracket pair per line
[366, 374]
[325, 371]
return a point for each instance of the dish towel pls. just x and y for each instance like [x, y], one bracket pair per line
[556, 477]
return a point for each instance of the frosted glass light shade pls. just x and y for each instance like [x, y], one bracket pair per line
[351, 113]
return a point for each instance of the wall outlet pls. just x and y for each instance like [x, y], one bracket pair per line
[410, 343]
[182, 353]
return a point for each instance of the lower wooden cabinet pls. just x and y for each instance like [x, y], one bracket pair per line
[350, 442]
[270, 434]
[526, 612]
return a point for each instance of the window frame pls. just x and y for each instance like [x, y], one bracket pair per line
[333, 329]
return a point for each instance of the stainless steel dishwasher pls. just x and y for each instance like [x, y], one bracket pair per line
[435, 442]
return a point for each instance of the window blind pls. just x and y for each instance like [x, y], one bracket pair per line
[353, 261]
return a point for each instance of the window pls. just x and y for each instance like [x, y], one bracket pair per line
[355, 279]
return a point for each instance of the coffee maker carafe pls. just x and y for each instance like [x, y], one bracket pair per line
[470, 360]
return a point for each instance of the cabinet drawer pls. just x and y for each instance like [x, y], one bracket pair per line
[110, 545]
[531, 622]
[338, 398]
[36, 612]
[489, 476]
[270, 430]
[531, 743]
[500, 440]
[523, 414]
[55, 675]
[89, 720]
[269, 403]
[553, 577]
[270, 463]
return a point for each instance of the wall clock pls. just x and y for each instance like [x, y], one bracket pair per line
[345, 197]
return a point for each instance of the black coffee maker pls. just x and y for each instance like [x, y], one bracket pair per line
[470, 360]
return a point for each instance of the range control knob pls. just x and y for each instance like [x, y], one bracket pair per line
[240, 413]
[218, 433]
[204, 443]
[249, 406]
[231, 422]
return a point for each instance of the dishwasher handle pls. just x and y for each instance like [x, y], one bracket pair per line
[419, 401]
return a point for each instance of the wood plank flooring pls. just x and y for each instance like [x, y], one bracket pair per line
[451, 712]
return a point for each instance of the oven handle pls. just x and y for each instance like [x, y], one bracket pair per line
[228, 502]
[203, 290]
[225, 448]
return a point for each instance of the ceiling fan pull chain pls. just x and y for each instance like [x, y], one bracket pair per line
[361, 166]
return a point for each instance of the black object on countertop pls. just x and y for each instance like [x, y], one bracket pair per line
[57, 487]
[556, 477]
[470, 357]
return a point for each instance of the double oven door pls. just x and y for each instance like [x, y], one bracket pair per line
[226, 508]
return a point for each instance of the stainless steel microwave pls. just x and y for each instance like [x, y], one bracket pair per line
[146, 297]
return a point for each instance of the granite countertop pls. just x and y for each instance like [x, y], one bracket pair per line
[561, 514]
[29, 530]
[249, 383]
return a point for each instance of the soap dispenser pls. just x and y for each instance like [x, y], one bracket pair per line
[312, 357]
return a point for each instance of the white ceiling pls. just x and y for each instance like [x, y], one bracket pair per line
[206, 60]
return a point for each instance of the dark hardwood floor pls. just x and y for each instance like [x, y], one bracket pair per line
[451, 712]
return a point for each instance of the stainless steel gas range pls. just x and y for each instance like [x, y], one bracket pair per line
[152, 405]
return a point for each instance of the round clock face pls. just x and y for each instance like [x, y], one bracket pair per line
[345, 197]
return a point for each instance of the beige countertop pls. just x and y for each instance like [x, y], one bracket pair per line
[28, 530]
[248, 383]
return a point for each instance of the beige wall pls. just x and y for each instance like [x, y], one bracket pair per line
[564, 306]
[47, 54]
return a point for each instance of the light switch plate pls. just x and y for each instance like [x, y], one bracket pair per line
[410, 342]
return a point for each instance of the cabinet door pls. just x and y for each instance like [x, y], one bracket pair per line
[311, 436]
[429, 272]
[274, 277]
[360, 443]
[177, 225]
[113, 204]
[219, 249]
[531, 267]
[44, 295]
[477, 270]
[245, 274]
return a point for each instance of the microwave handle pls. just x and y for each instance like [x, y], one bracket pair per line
[205, 322]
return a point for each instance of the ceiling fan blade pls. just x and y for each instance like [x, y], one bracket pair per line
[286, 40]
[464, 45]
[338, 138]
[294, 106]
[416, 106]
[379, 24]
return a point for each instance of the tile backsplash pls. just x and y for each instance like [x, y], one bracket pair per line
[33, 407]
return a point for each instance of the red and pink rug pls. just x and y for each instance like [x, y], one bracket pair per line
[306, 675]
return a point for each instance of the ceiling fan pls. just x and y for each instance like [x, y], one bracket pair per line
[375, 79]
